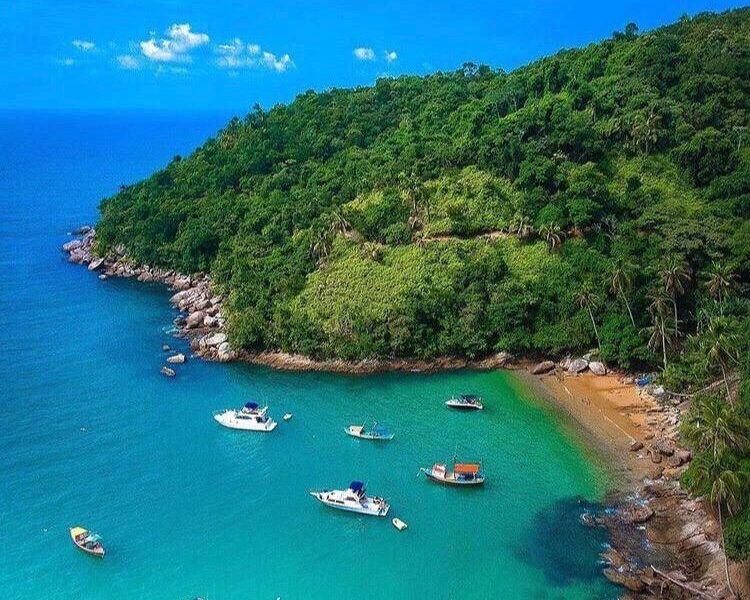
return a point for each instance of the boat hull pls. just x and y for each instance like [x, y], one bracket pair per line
[369, 509]
[454, 482]
[369, 436]
[461, 406]
[229, 421]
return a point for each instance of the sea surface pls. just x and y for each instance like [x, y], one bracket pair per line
[91, 434]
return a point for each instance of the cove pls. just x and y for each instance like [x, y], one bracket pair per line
[91, 434]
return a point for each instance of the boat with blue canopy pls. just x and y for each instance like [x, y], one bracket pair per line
[377, 433]
[353, 499]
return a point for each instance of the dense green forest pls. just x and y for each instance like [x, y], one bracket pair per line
[598, 199]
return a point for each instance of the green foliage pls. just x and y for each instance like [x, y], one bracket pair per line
[737, 535]
[348, 223]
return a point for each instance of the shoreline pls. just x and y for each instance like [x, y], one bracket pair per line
[651, 521]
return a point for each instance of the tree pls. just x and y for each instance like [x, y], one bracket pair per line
[338, 224]
[659, 336]
[674, 277]
[724, 484]
[588, 300]
[719, 345]
[321, 245]
[713, 426]
[721, 282]
[553, 235]
[622, 281]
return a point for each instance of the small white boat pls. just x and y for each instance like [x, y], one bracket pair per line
[250, 418]
[465, 402]
[399, 524]
[353, 499]
[378, 432]
[287, 416]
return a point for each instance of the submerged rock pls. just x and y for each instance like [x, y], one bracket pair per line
[167, 372]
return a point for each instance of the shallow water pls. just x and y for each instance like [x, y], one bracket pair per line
[91, 434]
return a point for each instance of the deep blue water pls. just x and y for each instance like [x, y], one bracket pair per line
[91, 434]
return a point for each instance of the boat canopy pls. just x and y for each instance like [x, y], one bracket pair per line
[92, 538]
[76, 531]
[251, 405]
[356, 486]
[466, 468]
[469, 397]
[379, 429]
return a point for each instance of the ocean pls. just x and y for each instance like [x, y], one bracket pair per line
[91, 434]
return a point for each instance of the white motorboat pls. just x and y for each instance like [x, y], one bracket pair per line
[465, 402]
[353, 499]
[250, 418]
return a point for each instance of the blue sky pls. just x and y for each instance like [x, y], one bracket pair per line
[230, 54]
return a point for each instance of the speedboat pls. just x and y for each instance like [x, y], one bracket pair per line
[250, 418]
[88, 542]
[462, 474]
[465, 402]
[353, 499]
[378, 432]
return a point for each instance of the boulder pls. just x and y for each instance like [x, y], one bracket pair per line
[597, 368]
[83, 230]
[664, 447]
[543, 367]
[637, 514]
[217, 339]
[655, 456]
[636, 445]
[177, 359]
[95, 264]
[577, 365]
[210, 321]
[225, 353]
[655, 472]
[165, 348]
[182, 283]
[72, 245]
[195, 320]
[167, 372]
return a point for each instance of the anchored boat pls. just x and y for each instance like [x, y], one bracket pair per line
[465, 402]
[88, 542]
[250, 418]
[378, 432]
[461, 474]
[353, 499]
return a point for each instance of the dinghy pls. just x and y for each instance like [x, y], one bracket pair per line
[378, 432]
[88, 542]
[399, 524]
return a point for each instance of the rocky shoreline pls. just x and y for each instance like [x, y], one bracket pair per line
[664, 543]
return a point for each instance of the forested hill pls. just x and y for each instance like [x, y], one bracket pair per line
[598, 196]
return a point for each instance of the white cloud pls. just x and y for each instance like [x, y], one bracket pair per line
[175, 47]
[390, 55]
[128, 62]
[364, 53]
[237, 55]
[83, 45]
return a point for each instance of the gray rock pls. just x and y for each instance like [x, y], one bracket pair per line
[217, 339]
[176, 359]
[543, 367]
[95, 264]
[578, 365]
[165, 348]
[167, 372]
[72, 245]
[210, 321]
[598, 368]
[636, 445]
[195, 320]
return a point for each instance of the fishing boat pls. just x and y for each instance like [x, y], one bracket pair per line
[462, 474]
[250, 418]
[353, 499]
[465, 402]
[378, 432]
[88, 542]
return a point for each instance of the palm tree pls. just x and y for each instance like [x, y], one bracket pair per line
[719, 345]
[320, 247]
[411, 188]
[622, 280]
[713, 427]
[724, 484]
[720, 281]
[553, 235]
[589, 300]
[674, 277]
[659, 337]
[420, 240]
[522, 226]
[338, 224]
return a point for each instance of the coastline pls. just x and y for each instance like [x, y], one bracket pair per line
[651, 521]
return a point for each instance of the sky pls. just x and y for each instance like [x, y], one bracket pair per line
[227, 55]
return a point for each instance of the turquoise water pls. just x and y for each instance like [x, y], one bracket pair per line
[91, 434]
